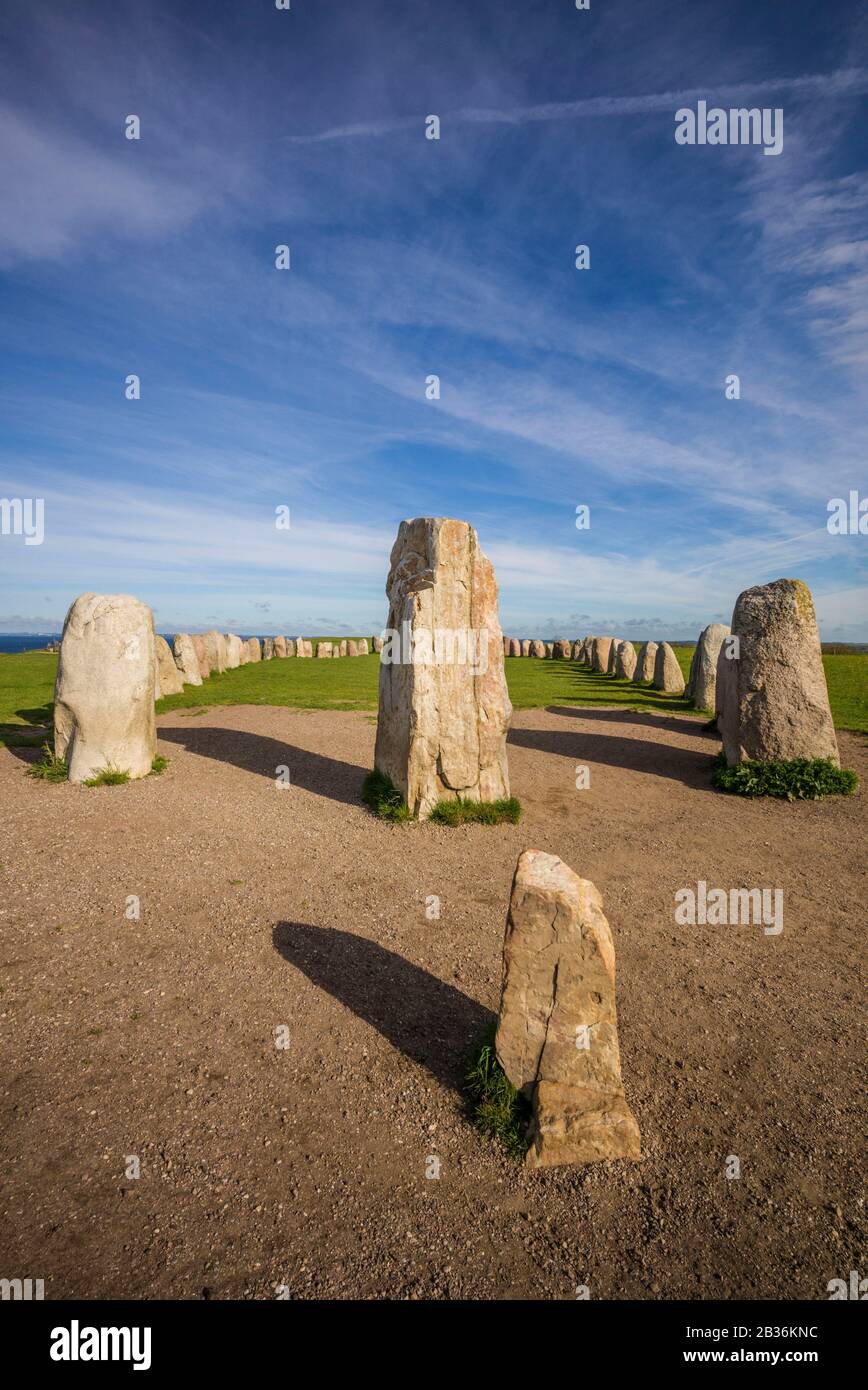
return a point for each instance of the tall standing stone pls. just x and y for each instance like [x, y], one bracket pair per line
[167, 679]
[702, 681]
[557, 1034]
[104, 691]
[625, 661]
[186, 659]
[772, 701]
[668, 676]
[444, 709]
[645, 663]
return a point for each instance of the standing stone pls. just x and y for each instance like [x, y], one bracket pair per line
[186, 659]
[244, 653]
[377, 643]
[600, 654]
[168, 679]
[267, 648]
[550, 649]
[702, 681]
[280, 646]
[557, 1035]
[525, 647]
[506, 641]
[201, 656]
[443, 713]
[625, 661]
[514, 647]
[234, 647]
[578, 651]
[254, 651]
[613, 652]
[362, 646]
[772, 701]
[215, 650]
[537, 648]
[645, 663]
[563, 650]
[667, 672]
[323, 649]
[342, 648]
[104, 691]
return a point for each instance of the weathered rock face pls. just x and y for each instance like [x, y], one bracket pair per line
[234, 648]
[280, 646]
[702, 681]
[186, 659]
[168, 679]
[563, 650]
[772, 702]
[667, 672]
[254, 651]
[201, 656]
[104, 691]
[443, 720]
[537, 648]
[557, 1036]
[323, 649]
[625, 661]
[600, 653]
[215, 650]
[645, 662]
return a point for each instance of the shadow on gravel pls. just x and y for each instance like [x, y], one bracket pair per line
[679, 723]
[429, 1021]
[684, 765]
[256, 753]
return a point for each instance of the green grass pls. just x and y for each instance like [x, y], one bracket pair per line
[108, 776]
[350, 683]
[497, 1108]
[49, 768]
[801, 779]
[382, 796]
[508, 808]
[158, 765]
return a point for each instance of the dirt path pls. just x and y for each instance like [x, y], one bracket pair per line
[305, 1166]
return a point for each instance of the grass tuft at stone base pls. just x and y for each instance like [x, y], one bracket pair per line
[108, 776]
[507, 809]
[383, 797]
[801, 779]
[498, 1110]
[49, 768]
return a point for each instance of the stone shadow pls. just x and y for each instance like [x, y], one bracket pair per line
[431, 1022]
[685, 765]
[314, 772]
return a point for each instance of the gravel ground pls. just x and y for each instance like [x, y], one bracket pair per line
[303, 1167]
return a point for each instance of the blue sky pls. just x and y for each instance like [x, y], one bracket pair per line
[412, 257]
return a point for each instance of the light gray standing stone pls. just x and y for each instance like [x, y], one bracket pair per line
[557, 1034]
[186, 659]
[702, 681]
[772, 702]
[645, 663]
[443, 721]
[215, 650]
[234, 647]
[168, 679]
[625, 661]
[104, 691]
[667, 672]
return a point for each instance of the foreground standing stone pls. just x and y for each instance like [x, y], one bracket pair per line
[167, 678]
[600, 654]
[667, 672]
[702, 681]
[557, 1035]
[645, 662]
[186, 659]
[444, 710]
[104, 691]
[625, 661]
[772, 702]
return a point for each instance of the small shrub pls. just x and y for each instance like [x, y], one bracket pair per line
[49, 768]
[158, 765]
[382, 796]
[108, 776]
[801, 779]
[498, 1110]
[508, 809]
